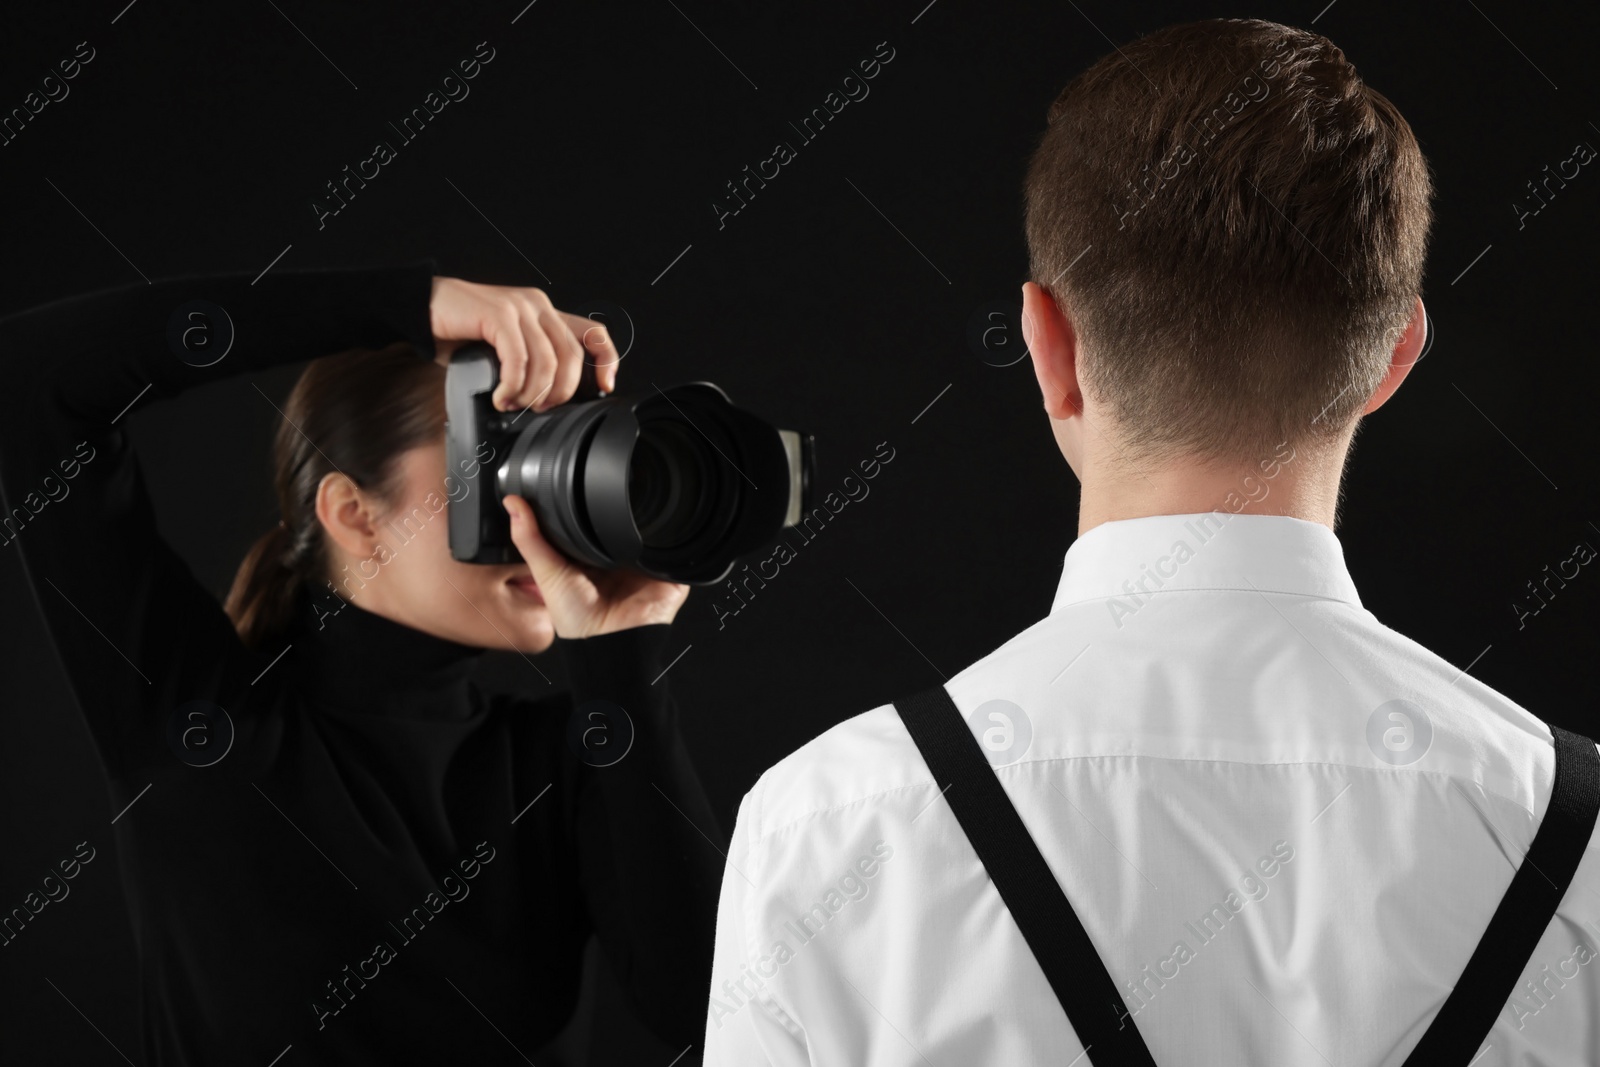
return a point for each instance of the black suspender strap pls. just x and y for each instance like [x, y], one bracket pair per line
[1490, 977]
[1079, 978]
[1019, 872]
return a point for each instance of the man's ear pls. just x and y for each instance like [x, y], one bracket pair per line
[1053, 345]
[1406, 352]
[347, 514]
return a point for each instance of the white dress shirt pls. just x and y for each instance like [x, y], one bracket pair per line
[1277, 862]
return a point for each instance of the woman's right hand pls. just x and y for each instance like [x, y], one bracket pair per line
[541, 349]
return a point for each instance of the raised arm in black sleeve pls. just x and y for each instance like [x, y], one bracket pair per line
[136, 633]
[652, 852]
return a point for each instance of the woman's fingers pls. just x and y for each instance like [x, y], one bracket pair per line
[584, 601]
[566, 589]
[504, 332]
[569, 358]
[541, 557]
[541, 349]
[598, 347]
[536, 385]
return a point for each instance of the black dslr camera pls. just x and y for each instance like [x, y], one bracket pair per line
[676, 483]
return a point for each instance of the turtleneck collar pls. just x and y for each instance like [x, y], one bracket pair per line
[353, 660]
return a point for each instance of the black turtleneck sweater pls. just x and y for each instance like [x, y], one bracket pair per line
[388, 865]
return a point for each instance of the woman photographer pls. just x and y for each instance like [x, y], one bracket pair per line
[331, 840]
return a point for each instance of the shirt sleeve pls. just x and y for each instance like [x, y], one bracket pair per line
[649, 845]
[136, 633]
[745, 1027]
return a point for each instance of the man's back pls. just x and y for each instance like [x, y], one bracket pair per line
[1283, 825]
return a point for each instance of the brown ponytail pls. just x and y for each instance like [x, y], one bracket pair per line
[353, 413]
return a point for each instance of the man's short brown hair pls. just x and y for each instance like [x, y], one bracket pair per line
[1236, 225]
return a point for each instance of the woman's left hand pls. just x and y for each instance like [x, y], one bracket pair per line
[588, 601]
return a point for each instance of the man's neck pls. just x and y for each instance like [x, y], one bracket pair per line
[1292, 482]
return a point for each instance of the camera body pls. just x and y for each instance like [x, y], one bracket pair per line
[676, 483]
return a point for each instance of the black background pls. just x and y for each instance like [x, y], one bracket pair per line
[837, 301]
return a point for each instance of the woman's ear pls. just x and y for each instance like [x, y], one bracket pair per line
[348, 515]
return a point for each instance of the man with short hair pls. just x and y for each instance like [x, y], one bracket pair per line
[1283, 827]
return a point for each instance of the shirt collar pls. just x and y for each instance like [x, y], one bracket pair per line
[1206, 550]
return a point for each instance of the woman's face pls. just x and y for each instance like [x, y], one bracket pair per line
[393, 559]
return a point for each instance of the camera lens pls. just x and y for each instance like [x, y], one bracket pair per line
[672, 483]
[677, 483]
